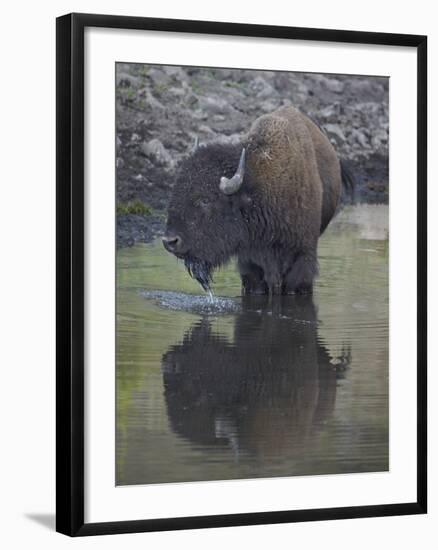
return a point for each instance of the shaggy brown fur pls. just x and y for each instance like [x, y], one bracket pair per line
[296, 167]
[296, 176]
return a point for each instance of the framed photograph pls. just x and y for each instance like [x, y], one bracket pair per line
[241, 274]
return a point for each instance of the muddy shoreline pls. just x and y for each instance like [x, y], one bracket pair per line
[160, 111]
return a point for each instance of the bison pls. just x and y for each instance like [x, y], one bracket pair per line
[265, 201]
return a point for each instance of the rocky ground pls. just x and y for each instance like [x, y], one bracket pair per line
[160, 111]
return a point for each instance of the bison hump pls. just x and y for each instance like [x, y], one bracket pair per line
[280, 149]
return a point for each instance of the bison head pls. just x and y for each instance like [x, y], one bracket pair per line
[205, 224]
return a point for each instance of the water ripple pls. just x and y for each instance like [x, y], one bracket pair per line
[180, 301]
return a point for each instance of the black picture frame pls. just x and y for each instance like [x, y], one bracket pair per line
[70, 273]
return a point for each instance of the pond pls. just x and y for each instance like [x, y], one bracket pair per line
[235, 388]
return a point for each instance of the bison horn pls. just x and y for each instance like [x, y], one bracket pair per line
[230, 186]
[196, 144]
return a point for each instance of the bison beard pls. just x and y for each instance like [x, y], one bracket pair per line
[199, 270]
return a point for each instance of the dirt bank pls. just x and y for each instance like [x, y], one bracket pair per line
[161, 110]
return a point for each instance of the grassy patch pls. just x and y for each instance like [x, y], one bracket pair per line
[196, 87]
[160, 89]
[134, 207]
[143, 71]
[232, 84]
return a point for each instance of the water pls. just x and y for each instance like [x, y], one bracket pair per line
[220, 387]
[206, 304]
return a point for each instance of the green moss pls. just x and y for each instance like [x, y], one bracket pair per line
[160, 89]
[143, 71]
[134, 207]
[196, 87]
[232, 84]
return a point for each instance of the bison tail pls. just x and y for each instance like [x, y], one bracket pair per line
[348, 183]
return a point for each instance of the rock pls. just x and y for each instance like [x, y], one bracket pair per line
[158, 76]
[268, 106]
[360, 137]
[224, 74]
[177, 92]
[151, 102]
[325, 83]
[125, 80]
[191, 100]
[204, 129]
[330, 112]
[177, 74]
[199, 114]
[282, 82]
[335, 132]
[336, 86]
[156, 151]
[215, 105]
[368, 108]
[379, 139]
[233, 139]
[261, 88]
[367, 89]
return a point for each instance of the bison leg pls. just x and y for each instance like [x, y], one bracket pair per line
[299, 279]
[252, 278]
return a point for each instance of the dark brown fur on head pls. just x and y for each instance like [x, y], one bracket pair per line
[290, 191]
[210, 224]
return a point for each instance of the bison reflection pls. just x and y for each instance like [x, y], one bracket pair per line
[262, 393]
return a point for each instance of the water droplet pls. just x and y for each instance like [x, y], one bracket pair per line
[179, 301]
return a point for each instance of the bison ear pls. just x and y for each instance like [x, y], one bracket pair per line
[232, 185]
